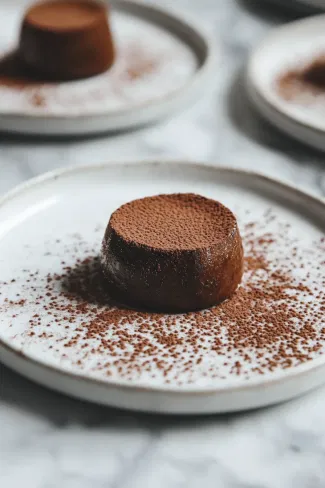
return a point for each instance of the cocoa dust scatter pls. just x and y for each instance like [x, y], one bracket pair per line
[38, 100]
[274, 321]
[306, 79]
[14, 76]
[17, 77]
[138, 64]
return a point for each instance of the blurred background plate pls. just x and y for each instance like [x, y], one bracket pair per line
[288, 48]
[162, 65]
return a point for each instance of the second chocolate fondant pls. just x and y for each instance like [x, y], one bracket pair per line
[172, 253]
[66, 40]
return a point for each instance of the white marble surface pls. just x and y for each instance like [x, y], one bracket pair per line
[49, 441]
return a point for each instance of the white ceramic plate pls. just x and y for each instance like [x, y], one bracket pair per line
[54, 219]
[289, 47]
[162, 65]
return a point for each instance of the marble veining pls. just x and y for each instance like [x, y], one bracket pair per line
[48, 440]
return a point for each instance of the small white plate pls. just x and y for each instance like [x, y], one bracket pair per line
[162, 65]
[286, 48]
[51, 221]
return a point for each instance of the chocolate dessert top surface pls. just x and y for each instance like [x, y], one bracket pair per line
[64, 15]
[174, 222]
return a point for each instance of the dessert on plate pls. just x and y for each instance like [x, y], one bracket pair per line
[66, 39]
[172, 253]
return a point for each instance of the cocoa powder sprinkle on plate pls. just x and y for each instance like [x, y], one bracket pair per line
[307, 79]
[274, 321]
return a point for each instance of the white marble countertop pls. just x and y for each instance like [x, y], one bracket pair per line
[49, 441]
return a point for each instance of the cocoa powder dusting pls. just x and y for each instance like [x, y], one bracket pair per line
[272, 322]
[14, 76]
[138, 64]
[306, 79]
[174, 222]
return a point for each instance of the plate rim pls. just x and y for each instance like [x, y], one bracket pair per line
[290, 373]
[305, 134]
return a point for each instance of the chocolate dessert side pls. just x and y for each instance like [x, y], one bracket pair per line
[66, 40]
[172, 253]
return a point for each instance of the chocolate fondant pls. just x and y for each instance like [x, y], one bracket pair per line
[172, 253]
[66, 39]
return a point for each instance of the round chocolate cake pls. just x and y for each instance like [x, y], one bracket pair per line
[172, 253]
[66, 39]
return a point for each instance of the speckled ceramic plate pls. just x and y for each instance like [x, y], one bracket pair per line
[263, 346]
[162, 64]
[287, 48]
